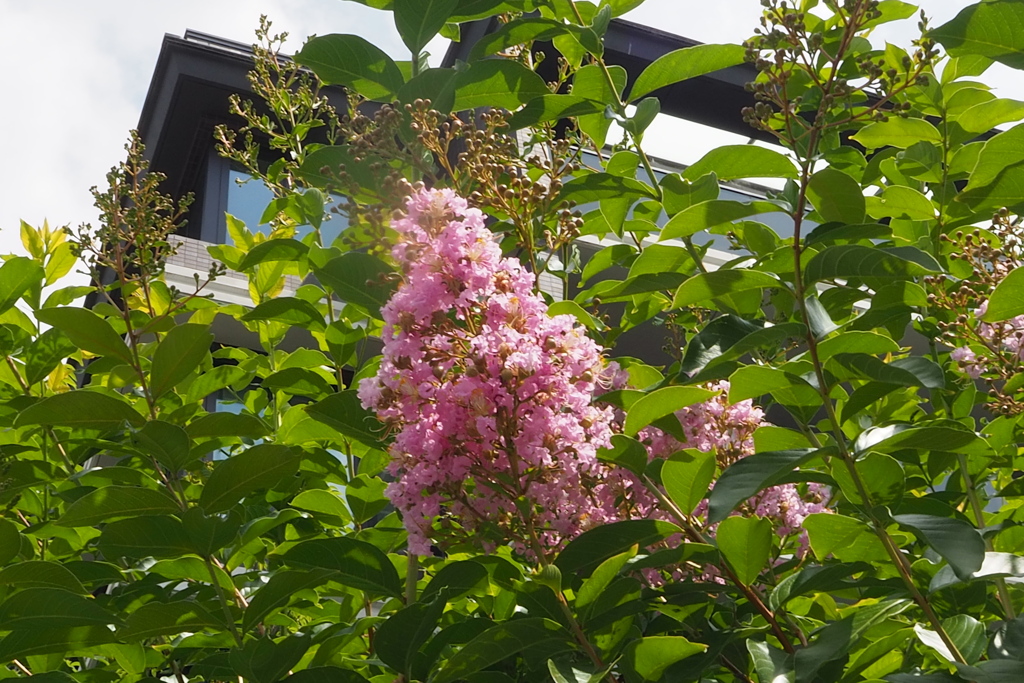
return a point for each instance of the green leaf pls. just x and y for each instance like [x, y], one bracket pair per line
[602, 577]
[41, 574]
[158, 618]
[836, 196]
[945, 436]
[418, 21]
[746, 543]
[208, 534]
[856, 342]
[345, 413]
[731, 162]
[680, 193]
[849, 539]
[365, 496]
[352, 61]
[358, 278]
[111, 502]
[897, 132]
[260, 467]
[660, 403]
[564, 672]
[298, 382]
[518, 32]
[272, 251]
[814, 579]
[1007, 299]
[263, 660]
[956, 540]
[358, 563]
[746, 477]
[80, 408]
[996, 156]
[984, 116]
[178, 355]
[399, 639]
[290, 311]
[966, 632]
[87, 331]
[325, 674]
[140, 537]
[898, 201]
[594, 187]
[703, 287]
[51, 608]
[227, 424]
[455, 579]
[436, 85]
[752, 381]
[10, 541]
[649, 657]
[279, 591]
[585, 552]
[17, 276]
[591, 82]
[625, 452]
[686, 63]
[551, 107]
[168, 443]
[27, 642]
[326, 506]
[882, 476]
[985, 29]
[498, 643]
[845, 261]
[907, 372]
[708, 214]
[498, 83]
[687, 477]
[46, 352]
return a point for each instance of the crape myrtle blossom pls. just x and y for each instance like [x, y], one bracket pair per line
[1006, 337]
[492, 401]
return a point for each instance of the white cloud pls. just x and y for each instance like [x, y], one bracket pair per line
[77, 74]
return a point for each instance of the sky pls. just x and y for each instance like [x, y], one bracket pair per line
[78, 73]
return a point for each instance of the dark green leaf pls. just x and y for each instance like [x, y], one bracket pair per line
[263, 660]
[985, 29]
[343, 412]
[325, 674]
[33, 641]
[455, 580]
[51, 608]
[259, 467]
[597, 186]
[498, 643]
[746, 477]
[159, 618]
[273, 250]
[836, 196]
[178, 355]
[419, 20]
[10, 541]
[353, 61]
[46, 352]
[227, 424]
[400, 638]
[140, 537]
[87, 331]
[278, 592]
[683, 64]
[41, 574]
[168, 443]
[290, 311]
[498, 83]
[552, 107]
[856, 261]
[81, 408]
[358, 278]
[591, 82]
[584, 553]
[957, 541]
[358, 564]
[625, 452]
[208, 534]
[111, 502]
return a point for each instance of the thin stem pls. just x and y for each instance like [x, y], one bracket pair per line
[222, 597]
[979, 516]
[412, 572]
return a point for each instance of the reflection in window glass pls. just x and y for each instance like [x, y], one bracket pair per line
[248, 199]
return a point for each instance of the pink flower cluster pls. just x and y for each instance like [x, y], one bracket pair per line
[491, 402]
[489, 397]
[1006, 336]
[728, 430]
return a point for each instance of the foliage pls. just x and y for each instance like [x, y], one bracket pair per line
[862, 521]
